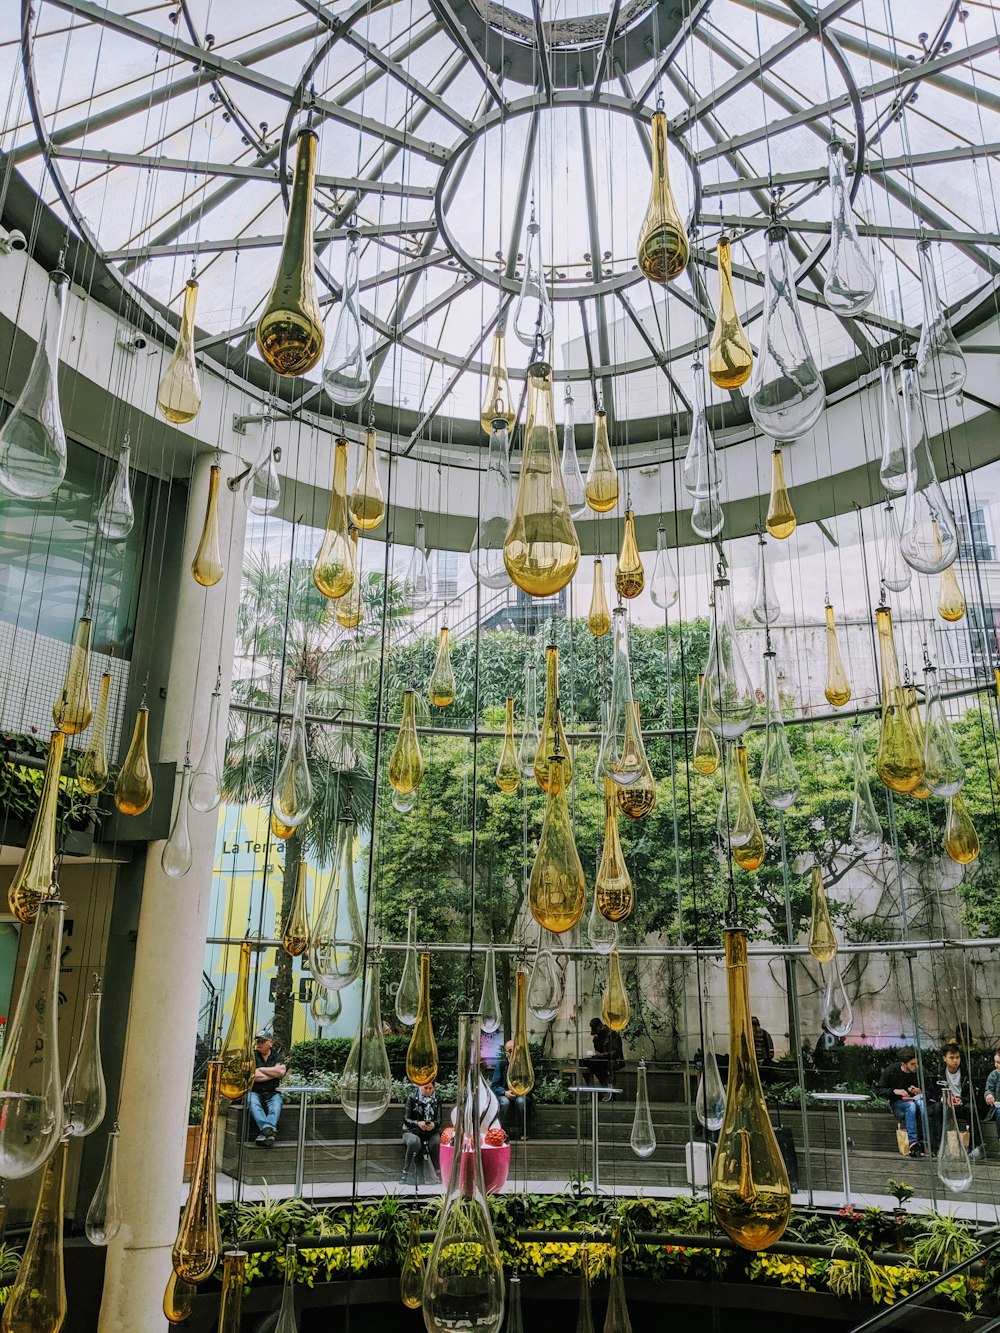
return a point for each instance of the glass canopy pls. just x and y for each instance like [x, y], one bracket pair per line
[162, 134]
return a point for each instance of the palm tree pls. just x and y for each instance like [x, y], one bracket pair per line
[286, 629]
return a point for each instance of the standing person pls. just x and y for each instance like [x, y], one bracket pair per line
[264, 1097]
[762, 1044]
[900, 1085]
[992, 1091]
[421, 1132]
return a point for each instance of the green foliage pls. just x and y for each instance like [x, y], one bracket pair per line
[21, 784]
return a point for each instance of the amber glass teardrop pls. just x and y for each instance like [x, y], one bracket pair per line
[552, 738]
[822, 940]
[36, 1303]
[961, 841]
[900, 762]
[237, 1054]
[601, 485]
[406, 764]
[72, 711]
[134, 787]
[178, 396]
[33, 879]
[199, 1241]
[422, 1052]
[951, 599]
[350, 609]
[638, 798]
[615, 1008]
[207, 563]
[178, 1299]
[279, 829]
[730, 358]
[749, 855]
[705, 755]
[508, 774]
[838, 687]
[613, 886]
[780, 514]
[599, 617]
[662, 251]
[333, 572]
[497, 399]
[557, 890]
[92, 773]
[295, 931]
[921, 792]
[520, 1073]
[366, 506]
[441, 687]
[630, 577]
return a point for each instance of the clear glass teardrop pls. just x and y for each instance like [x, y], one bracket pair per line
[104, 1216]
[205, 791]
[531, 736]
[866, 827]
[729, 701]
[837, 1016]
[702, 469]
[944, 768]
[346, 375]
[408, 991]
[602, 934]
[337, 938]
[570, 463]
[663, 586]
[262, 487]
[928, 534]
[710, 1097]
[489, 1000]
[545, 984]
[116, 515]
[643, 1139]
[896, 573]
[496, 499]
[533, 317]
[32, 439]
[85, 1097]
[954, 1168]
[177, 854]
[418, 585]
[366, 1083]
[779, 778]
[293, 788]
[941, 366]
[893, 468]
[849, 284]
[766, 608]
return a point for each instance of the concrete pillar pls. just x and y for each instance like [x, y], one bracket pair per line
[170, 949]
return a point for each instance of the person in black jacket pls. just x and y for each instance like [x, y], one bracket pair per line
[606, 1059]
[421, 1133]
[955, 1082]
[900, 1085]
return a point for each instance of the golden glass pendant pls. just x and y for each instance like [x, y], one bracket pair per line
[552, 737]
[290, 329]
[134, 786]
[92, 772]
[749, 855]
[615, 1008]
[72, 711]
[350, 609]
[497, 400]
[207, 563]
[366, 506]
[705, 754]
[199, 1242]
[599, 616]
[637, 800]
[541, 549]
[508, 775]
[237, 1054]
[921, 792]
[662, 250]
[422, 1052]
[178, 397]
[730, 358]
[900, 762]
[234, 1272]
[293, 787]
[178, 1299]
[441, 687]
[295, 931]
[951, 599]
[630, 577]
[838, 687]
[280, 830]
[557, 890]
[601, 485]
[822, 940]
[613, 886]
[961, 841]
[333, 572]
[411, 1278]
[406, 764]
[520, 1074]
[780, 520]
[33, 878]
[751, 1197]
[37, 1300]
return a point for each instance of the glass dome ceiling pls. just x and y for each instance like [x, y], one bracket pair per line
[162, 134]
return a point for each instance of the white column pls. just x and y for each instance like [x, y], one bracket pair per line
[170, 949]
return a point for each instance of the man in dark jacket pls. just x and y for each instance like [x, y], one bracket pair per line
[900, 1085]
[421, 1133]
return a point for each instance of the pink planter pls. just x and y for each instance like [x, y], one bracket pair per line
[496, 1165]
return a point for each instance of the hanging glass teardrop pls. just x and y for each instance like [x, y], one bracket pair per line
[707, 517]
[613, 886]
[205, 791]
[234, 1268]
[781, 520]
[710, 1097]
[489, 1001]
[751, 1197]
[866, 827]
[625, 758]
[178, 1299]
[422, 1052]
[837, 688]
[85, 1096]
[572, 477]
[602, 934]
[104, 1216]
[237, 1054]
[206, 567]
[92, 770]
[418, 585]
[508, 773]
[836, 1015]
[520, 1073]
[552, 737]
[290, 328]
[748, 855]
[601, 486]
[730, 358]
[702, 468]
[33, 439]
[787, 395]
[406, 764]
[177, 854]
[896, 573]
[557, 891]
[637, 799]
[630, 577]
[643, 1139]
[366, 502]
[729, 701]
[822, 940]
[337, 939]
[498, 401]
[72, 710]
[350, 609]
[545, 982]
[849, 283]
[287, 1320]
[941, 367]
[921, 792]
[326, 1005]
[333, 571]
[178, 397]
[346, 375]
[615, 1008]
[37, 1300]
[295, 927]
[533, 316]
[495, 504]
[441, 687]
[951, 599]
[599, 616]
[944, 768]
[735, 821]
[134, 785]
[35, 875]
[198, 1243]
[766, 609]
[293, 787]
[530, 737]
[779, 778]
[928, 534]
[262, 487]
[662, 248]
[408, 991]
[664, 589]
[116, 515]
[411, 1277]
[366, 1084]
[464, 1285]
[954, 1169]
[900, 762]
[961, 841]
[705, 754]
[894, 466]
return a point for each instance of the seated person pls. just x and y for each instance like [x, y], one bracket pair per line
[511, 1108]
[955, 1083]
[421, 1133]
[606, 1059]
[991, 1093]
[264, 1098]
[900, 1085]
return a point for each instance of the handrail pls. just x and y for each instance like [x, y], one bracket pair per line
[922, 1294]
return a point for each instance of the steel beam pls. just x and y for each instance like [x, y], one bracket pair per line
[664, 58]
